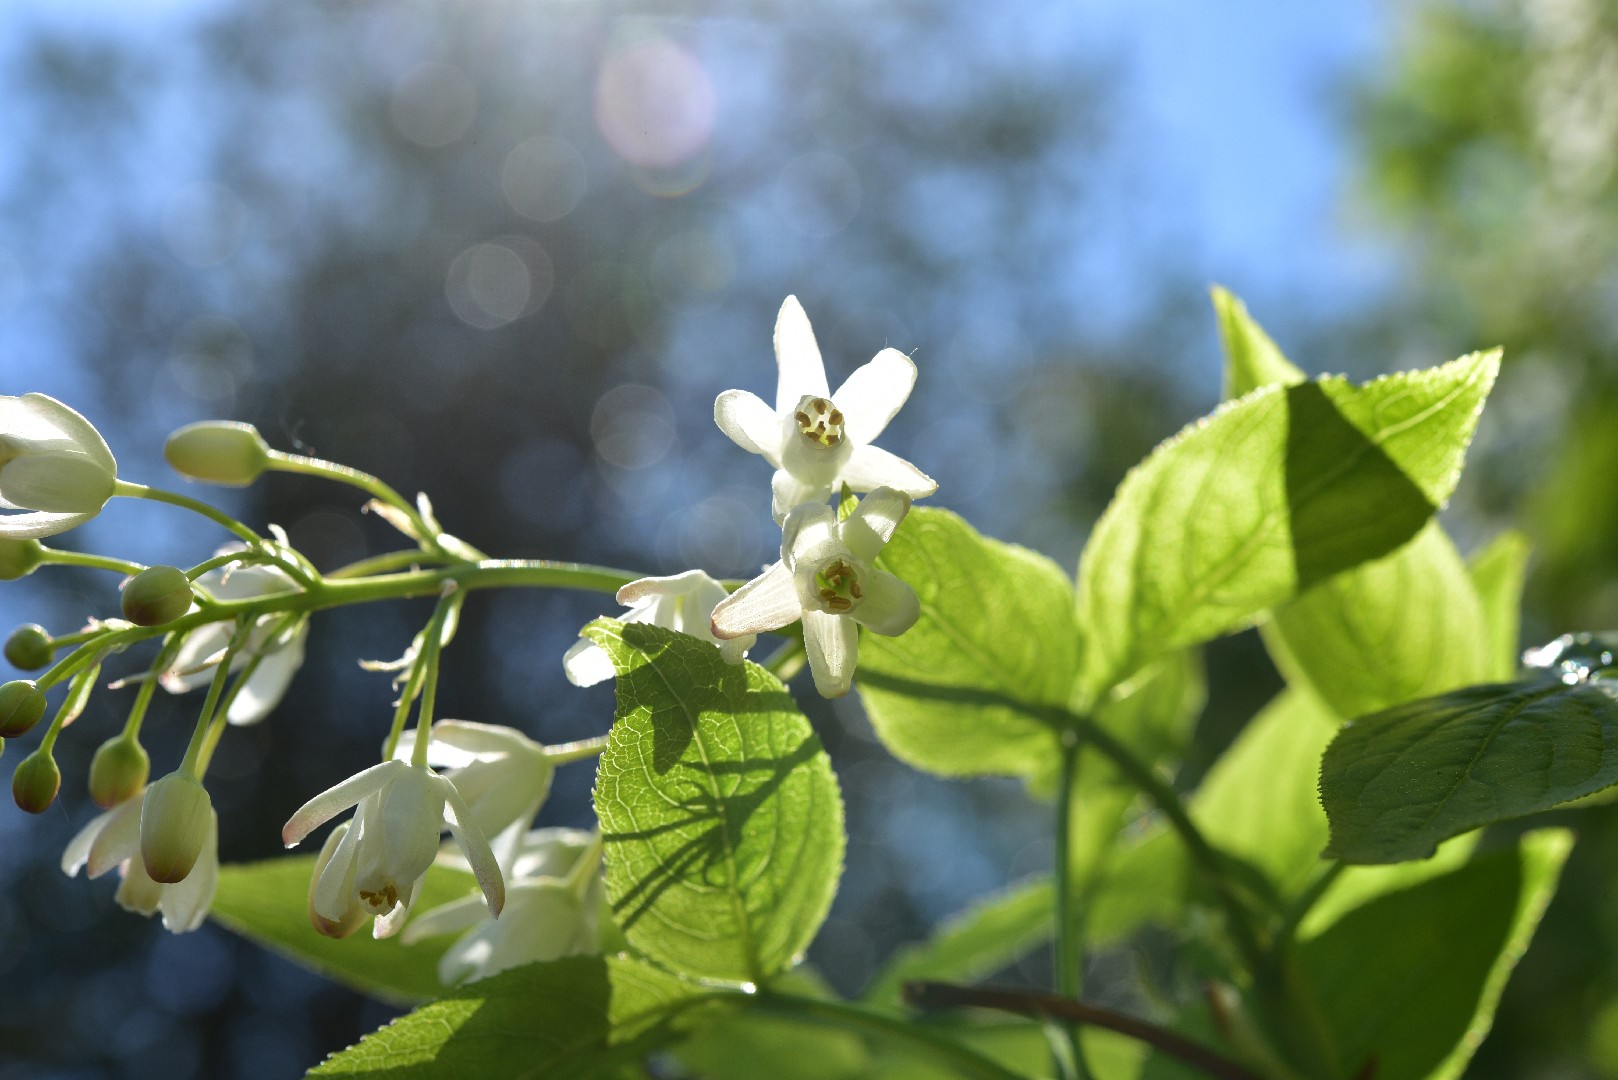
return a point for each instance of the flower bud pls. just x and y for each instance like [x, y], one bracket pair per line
[35, 783]
[29, 648]
[52, 460]
[19, 558]
[174, 822]
[118, 771]
[22, 704]
[157, 595]
[218, 452]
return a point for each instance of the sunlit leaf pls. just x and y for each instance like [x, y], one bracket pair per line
[722, 820]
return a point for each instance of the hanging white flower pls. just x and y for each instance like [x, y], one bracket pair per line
[555, 900]
[54, 463]
[382, 859]
[502, 774]
[683, 602]
[818, 439]
[280, 646]
[112, 840]
[826, 579]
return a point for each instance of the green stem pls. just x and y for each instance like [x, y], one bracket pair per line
[564, 753]
[844, 1014]
[432, 644]
[384, 563]
[77, 695]
[174, 498]
[1069, 973]
[1032, 1003]
[401, 710]
[1299, 908]
[148, 686]
[192, 765]
[1202, 853]
[58, 557]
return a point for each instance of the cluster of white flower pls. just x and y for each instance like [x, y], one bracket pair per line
[540, 893]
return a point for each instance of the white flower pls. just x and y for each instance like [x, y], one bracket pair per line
[112, 839]
[381, 861]
[817, 439]
[52, 462]
[280, 647]
[825, 577]
[502, 774]
[684, 603]
[554, 907]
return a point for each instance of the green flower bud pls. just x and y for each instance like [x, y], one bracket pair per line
[157, 595]
[218, 452]
[173, 827]
[21, 706]
[29, 647]
[118, 771]
[35, 783]
[19, 558]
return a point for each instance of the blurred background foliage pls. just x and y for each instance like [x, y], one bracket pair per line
[508, 252]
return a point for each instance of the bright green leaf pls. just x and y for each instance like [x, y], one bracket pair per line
[1446, 948]
[959, 692]
[1270, 495]
[268, 902]
[976, 943]
[1497, 575]
[535, 1022]
[1252, 360]
[1396, 783]
[1388, 631]
[722, 820]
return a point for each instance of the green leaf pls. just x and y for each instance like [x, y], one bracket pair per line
[959, 693]
[268, 902]
[721, 817]
[1396, 783]
[1386, 632]
[1497, 575]
[530, 1023]
[749, 1045]
[1447, 947]
[976, 943]
[1271, 494]
[1251, 358]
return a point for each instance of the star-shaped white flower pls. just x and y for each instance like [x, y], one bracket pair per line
[817, 439]
[112, 839]
[825, 577]
[555, 898]
[683, 602]
[54, 463]
[381, 860]
[281, 647]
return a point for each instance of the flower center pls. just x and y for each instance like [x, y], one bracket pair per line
[382, 900]
[820, 421]
[838, 585]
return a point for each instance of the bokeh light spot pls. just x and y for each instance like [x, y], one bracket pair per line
[434, 105]
[654, 103]
[633, 426]
[489, 285]
[544, 178]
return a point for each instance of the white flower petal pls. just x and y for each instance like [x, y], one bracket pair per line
[832, 643]
[77, 852]
[138, 892]
[332, 897]
[587, 663]
[263, 692]
[72, 426]
[787, 492]
[471, 740]
[799, 368]
[869, 397]
[450, 918]
[478, 853]
[890, 606]
[33, 526]
[118, 840]
[409, 822]
[751, 424]
[334, 800]
[873, 522]
[393, 921]
[871, 467]
[185, 904]
[768, 602]
[806, 530]
[734, 650]
[687, 583]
